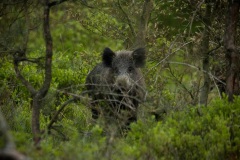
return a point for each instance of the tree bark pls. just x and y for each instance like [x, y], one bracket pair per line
[205, 55]
[37, 98]
[38, 94]
[140, 39]
[137, 35]
[232, 54]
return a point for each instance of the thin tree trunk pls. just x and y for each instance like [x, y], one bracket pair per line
[36, 103]
[205, 55]
[137, 35]
[140, 39]
[38, 95]
[36, 120]
[232, 55]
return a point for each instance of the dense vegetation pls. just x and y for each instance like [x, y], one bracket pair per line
[192, 110]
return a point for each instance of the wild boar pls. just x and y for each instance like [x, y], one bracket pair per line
[116, 85]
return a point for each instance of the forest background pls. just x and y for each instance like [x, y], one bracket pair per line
[192, 110]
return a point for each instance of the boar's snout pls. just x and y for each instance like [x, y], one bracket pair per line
[123, 82]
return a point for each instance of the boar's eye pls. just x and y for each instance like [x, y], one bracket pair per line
[130, 69]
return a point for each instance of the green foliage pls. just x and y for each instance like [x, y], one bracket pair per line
[176, 131]
[194, 133]
[174, 16]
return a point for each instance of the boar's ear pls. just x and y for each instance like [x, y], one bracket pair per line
[139, 56]
[107, 57]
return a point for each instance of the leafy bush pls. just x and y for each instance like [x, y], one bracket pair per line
[194, 133]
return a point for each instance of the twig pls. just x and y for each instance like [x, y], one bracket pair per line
[171, 53]
[54, 119]
[23, 80]
[194, 14]
[184, 87]
[192, 66]
[128, 19]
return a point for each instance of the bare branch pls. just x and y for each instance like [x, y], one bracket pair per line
[21, 54]
[194, 15]
[179, 82]
[192, 66]
[23, 80]
[54, 119]
[128, 19]
[170, 53]
[32, 60]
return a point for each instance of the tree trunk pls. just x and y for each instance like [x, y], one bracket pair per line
[137, 36]
[140, 39]
[205, 55]
[232, 55]
[36, 103]
[36, 120]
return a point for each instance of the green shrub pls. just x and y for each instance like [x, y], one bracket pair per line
[187, 134]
